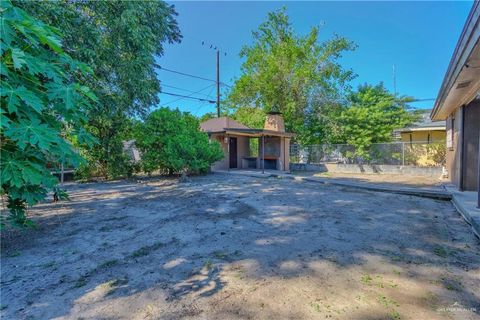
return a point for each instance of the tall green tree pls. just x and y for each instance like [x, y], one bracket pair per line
[372, 114]
[41, 106]
[121, 41]
[291, 73]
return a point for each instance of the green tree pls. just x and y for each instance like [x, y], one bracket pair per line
[40, 108]
[121, 41]
[287, 72]
[371, 116]
[252, 117]
[170, 141]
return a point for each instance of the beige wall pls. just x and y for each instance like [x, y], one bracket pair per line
[453, 152]
[243, 150]
[470, 146]
[423, 136]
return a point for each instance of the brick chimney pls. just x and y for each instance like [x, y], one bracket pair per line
[274, 122]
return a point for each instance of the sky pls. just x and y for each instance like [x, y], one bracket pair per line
[417, 37]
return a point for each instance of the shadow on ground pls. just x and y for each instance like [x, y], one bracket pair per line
[231, 247]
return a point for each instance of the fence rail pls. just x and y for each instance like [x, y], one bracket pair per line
[422, 154]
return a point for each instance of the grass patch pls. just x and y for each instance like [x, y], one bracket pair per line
[108, 264]
[394, 315]
[367, 279]
[387, 302]
[219, 254]
[146, 250]
[390, 304]
[81, 282]
[316, 307]
[441, 252]
[15, 253]
[208, 264]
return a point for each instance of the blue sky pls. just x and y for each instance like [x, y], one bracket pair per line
[417, 37]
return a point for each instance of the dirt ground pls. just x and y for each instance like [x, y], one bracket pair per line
[233, 247]
[405, 180]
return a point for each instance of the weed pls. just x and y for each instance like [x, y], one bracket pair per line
[82, 281]
[394, 315]
[441, 252]
[219, 254]
[48, 264]
[106, 228]
[387, 302]
[15, 253]
[316, 307]
[208, 264]
[108, 264]
[146, 250]
[367, 279]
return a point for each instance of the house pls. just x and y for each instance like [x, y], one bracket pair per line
[424, 130]
[458, 102]
[270, 150]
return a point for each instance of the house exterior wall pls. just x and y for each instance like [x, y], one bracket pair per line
[423, 136]
[469, 147]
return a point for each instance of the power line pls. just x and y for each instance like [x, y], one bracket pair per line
[182, 89]
[190, 75]
[189, 96]
[183, 96]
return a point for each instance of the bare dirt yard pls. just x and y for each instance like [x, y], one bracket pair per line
[234, 247]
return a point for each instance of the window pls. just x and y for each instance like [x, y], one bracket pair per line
[450, 133]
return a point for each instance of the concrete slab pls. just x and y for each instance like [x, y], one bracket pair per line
[466, 204]
[424, 192]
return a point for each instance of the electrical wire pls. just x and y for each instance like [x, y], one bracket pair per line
[182, 89]
[191, 75]
[189, 96]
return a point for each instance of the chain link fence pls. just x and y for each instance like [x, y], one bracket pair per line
[421, 154]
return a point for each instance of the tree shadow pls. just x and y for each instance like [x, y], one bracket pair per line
[121, 244]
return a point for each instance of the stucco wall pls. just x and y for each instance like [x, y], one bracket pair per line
[243, 150]
[472, 127]
[471, 145]
[453, 152]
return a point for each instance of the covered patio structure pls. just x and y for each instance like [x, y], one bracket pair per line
[247, 148]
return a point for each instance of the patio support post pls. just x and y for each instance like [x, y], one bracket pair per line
[263, 154]
[478, 174]
[228, 149]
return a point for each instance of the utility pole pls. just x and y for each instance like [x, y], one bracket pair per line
[218, 83]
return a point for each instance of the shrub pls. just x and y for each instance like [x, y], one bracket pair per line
[170, 141]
